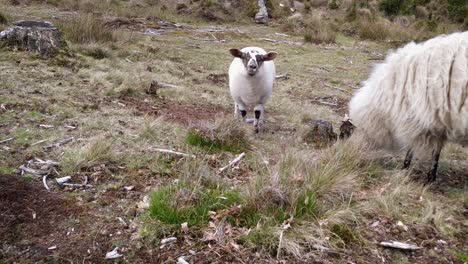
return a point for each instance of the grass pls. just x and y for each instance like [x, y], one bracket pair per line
[85, 29]
[332, 195]
[463, 256]
[224, 135]
[3, 19]
[93, 153]
[95, 51]
[175, 205]
[318, 31]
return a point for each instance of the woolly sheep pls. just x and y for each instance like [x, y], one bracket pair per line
[251, 77]
[417, 99]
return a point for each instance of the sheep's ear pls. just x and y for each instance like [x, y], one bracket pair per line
[270, 56]
[236, 53]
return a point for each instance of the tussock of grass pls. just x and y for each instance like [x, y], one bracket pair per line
[381, 31]
[95, 51]
[86, 29]
[318, 31]
[177, 204]
[77, 157]
[225, 134]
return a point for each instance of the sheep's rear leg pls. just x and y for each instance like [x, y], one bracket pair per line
[432, 174]
[408, 158]
[239, 112]
[259, 113]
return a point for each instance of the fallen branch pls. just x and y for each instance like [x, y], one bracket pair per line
[47, 162]
[337, 88]
[60, 143]
[63, 180]
[39, 142]
[155, 86]
[399, 245]
[283, 76]
[32, 171]
[232, 162]
[281, 41]
[46, 126]
[281, 34]
[69, 127]
[6, 140]
[44, 181]
[77, 185]
[208, 39]
[168, 151]
[324, 103]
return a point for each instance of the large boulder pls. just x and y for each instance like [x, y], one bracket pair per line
[34, 36]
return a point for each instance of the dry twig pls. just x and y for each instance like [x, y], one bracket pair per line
[60, 143]
[6, 140]
[399, 245]
[168, 151]
[232, 162]
[337, 88]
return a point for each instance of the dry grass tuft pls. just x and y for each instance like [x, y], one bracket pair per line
[224, 134]
[95, 152]
[86, 29]
[317, 31]
[94, 50]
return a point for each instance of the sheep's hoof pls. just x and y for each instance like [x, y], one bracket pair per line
[257, 130]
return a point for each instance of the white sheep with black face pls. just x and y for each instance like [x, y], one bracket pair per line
[251, 77]
[417, 99]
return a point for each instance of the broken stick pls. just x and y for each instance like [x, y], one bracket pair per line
[283, 76]
[32, 171]
[155, 86]
[399, 245]
[168, 151]
[337, 88]
[6, 140]
[232, 162]
[58, 144]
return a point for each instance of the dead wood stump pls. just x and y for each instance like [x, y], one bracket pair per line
[34, 36]
[320, 134]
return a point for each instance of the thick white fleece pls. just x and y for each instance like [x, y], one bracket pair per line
[417, 98]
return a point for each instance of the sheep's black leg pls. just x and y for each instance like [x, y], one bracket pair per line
[408, 158]
[432, 174]
[257, 118]
[243, 113]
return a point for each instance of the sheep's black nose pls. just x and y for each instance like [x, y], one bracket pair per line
[253, 67]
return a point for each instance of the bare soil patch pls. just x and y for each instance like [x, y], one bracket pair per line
[181, 113]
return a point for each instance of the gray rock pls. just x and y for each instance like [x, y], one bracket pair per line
[321, 134]
[34, 36]
[262, 14]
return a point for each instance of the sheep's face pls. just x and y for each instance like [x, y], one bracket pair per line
[253, 60]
